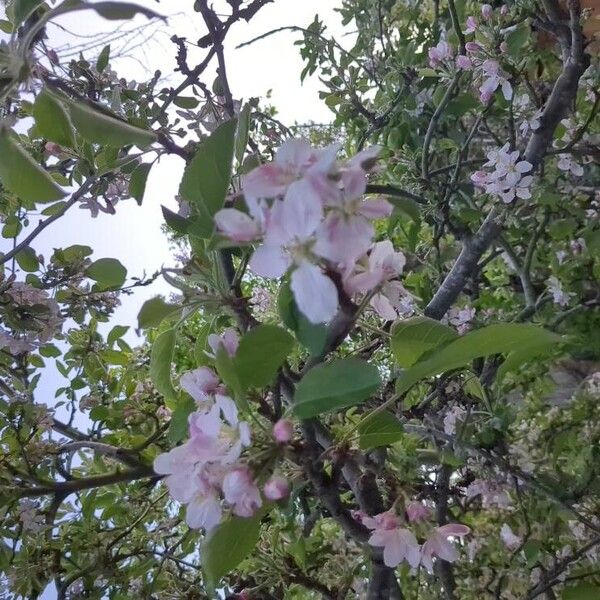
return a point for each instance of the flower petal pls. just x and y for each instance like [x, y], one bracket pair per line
[315, 294]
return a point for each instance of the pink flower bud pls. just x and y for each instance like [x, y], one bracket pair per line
[487, 11]
[276, 488]
[472, 47]
[283, 431]
[504, 10]
[463, 62]
[471, 25]
[53, 149]
[416, 511]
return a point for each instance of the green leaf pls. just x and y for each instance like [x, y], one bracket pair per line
[115, 333]
[241, 135]
[581, 591]
[114, 357]
[226, 546]
[413, 337]
[103, 59]
[19, 10]
[153, 312]
[116, 11]
[206, 178]
[52, 120]
[137, 182]
[108, 272]
[516, 39]
[178, 427]
[98, 127]
[379, 429]
[337, 384]
[188, 102]
[6, 26]
[312, 336]
[160, 365]
[407, 206]
[174, 221]
[495, 339]
[516, 359]
[260, 354]
[27, 259]
[22, 176]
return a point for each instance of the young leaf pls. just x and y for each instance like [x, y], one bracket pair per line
[21, 175]
[337, 384]
[178, 427]
[411, 338]
[19, 10]
[153, 312]
[260, 353]
[188, 102]
[52, 120]
[98, 127]
[27, 260]
[160, 365]
[495, 339]
[108, 272]
[103, 59]
[227, 545]
[137, 181]
[206, 178]
[379, 429]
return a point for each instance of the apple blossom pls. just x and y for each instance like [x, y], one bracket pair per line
[276, 488]
[566, 163]
[439, 545]
[439, 53]
[283, 431]
[471, 25]
[487, 11]
[228, 340]
[464, 62]
[417, 511]
[241, 492]
[399, 544]
[200, 383]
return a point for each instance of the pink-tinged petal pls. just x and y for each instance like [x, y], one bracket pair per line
[576, 169]
[302, 210]
[446, 550]
[354, 183]
[379, 537]
[163, 464]
[269, 261]
[375, 209]
[315, 294]
[182, 486]
[204, 513]
[228, 409]
[454, 529]
[363, 282]
[267, 181]
[523, 193]
[427, 556]
[199, 383]
[236, 225]
[507, 90]
[523, 166]
[343, 240]
[394, 551]
[294, 154]
[383, 307]
[366, 158]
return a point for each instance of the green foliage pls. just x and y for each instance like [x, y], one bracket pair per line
[331, 386]
[107, 272]
[206, 178]
[154, 311]
[52, 120]
[160, 365]
[379, 429]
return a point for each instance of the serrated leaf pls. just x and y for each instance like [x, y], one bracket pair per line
[160, 365]
[153, 312]
[97, 127]
[107, 272]
[22, 176]
[226, 546]
[206, 178]
[27, 259]
[338, 384]
[495, 339]
[137, 181]
[52, 120]
[260, 354]
[379, 429]
[178, 426]
[411, 338]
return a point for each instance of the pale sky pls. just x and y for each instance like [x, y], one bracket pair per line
[133, 235]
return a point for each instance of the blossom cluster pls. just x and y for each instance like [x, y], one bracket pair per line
[400, 544]
[309, 215]
[206, 471]
[508, 179]
[32, 316]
